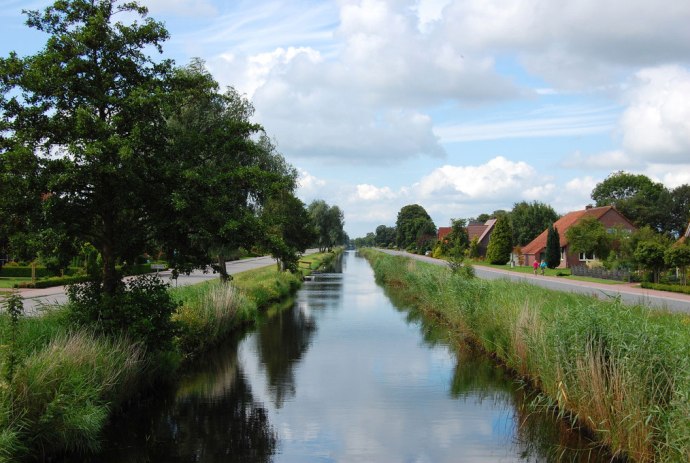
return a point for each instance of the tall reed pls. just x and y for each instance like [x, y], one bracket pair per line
[622, 371]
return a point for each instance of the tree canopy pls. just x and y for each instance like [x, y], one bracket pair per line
[413, 226]
[638, 198]
[528, 220]
[329, 223]
[500, 243]
[589, 236]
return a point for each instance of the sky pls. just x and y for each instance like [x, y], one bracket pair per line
[461, 106]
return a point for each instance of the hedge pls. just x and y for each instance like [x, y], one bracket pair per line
[663, 287]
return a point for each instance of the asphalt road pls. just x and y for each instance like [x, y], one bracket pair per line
[629, 293]
[36, 300]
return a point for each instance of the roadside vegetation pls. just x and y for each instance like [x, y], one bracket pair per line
[621, 372]
[61, 381]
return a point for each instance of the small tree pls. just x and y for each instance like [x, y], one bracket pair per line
[589, 236]
[498, 251]
[650, 255]
[553, 248]
[679, 256]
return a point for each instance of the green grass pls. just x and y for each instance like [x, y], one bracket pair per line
[68, 382]
[6, 282]
[622, 371]
[556, 272]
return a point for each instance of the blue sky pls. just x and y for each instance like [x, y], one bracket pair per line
[462, 106]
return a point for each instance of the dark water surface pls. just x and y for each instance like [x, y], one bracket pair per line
[342, 376]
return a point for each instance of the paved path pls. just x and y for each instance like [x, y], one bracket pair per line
[629, 294]
[36, 300]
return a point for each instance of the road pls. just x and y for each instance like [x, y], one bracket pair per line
[628, 293]
[36, 300]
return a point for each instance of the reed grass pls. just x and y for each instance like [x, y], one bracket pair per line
[621, 371]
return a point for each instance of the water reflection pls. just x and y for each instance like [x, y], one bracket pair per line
[342, 375]
[211, 417]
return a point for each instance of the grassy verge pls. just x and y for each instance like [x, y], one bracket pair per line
[59, 386]
[621, 371]
[556, 272]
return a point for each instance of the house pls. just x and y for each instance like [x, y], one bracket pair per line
[607, 215]
[443, 232]
[482, 232]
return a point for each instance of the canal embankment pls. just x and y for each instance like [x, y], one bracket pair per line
[620, 371]
[60, 384]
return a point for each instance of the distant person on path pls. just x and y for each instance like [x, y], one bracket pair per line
[542, 266]
[535, 266]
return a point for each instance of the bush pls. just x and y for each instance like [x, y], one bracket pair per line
[53, 281]
[142, 308]
[666, 287]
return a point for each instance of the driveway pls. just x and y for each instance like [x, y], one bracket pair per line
[629, 294]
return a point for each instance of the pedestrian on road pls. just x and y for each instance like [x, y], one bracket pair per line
[535, 266]
[542, 266]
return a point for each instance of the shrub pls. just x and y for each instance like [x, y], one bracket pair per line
[142, 308]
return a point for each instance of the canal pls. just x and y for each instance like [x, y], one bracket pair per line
[343, 375]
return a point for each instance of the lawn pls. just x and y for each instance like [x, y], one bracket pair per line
[6, 282]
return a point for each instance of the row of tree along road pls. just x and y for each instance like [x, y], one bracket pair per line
[657, 250]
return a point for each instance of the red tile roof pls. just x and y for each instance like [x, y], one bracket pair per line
[475, 229]
[563, 224]
[443, 232]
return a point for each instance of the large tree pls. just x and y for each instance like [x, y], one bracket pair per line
[528, 220]
[84, 127]
[638, 198]
[413, 226]
[680, 210]
[500, 243]
[223, 171]
[329, 223]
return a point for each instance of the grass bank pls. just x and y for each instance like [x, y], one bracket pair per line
[622, 372]
[59, 386]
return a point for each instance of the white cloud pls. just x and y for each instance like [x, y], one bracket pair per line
[574, 44]
[372, 193]
[498, 178]
[656, 125]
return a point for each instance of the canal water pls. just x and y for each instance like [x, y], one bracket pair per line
[342, 376]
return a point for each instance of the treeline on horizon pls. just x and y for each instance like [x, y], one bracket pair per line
[660, 214]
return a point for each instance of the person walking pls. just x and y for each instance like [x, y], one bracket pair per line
[535, 266]
[542, 266]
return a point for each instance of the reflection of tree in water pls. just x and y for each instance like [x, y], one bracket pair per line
[281, 342]
[213, 418]
[540, 435]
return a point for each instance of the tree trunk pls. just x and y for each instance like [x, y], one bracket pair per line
[111, 279]
[224, 277]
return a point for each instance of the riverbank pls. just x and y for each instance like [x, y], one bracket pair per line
[622, 372]
[59, 385]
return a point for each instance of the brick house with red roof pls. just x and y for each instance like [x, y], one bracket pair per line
[607, 215]
[482, 231]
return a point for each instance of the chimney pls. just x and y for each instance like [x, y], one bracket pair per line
[588, 207]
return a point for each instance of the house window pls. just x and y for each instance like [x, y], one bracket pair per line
[587, 256]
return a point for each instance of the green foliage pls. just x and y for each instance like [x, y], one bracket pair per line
[553, 248]
[621, 370]
[638, 198]
[142, 308]
[385, 236]
[14, 306]
[500, 246]
[650, 254]
[474, 248]
[414, 228]
[589, 236]
[528, 220]
[329, 224]
[680, 210]
[666, 287]
[53, 281]
[207, 313]
[679, 256]
[288, 229]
